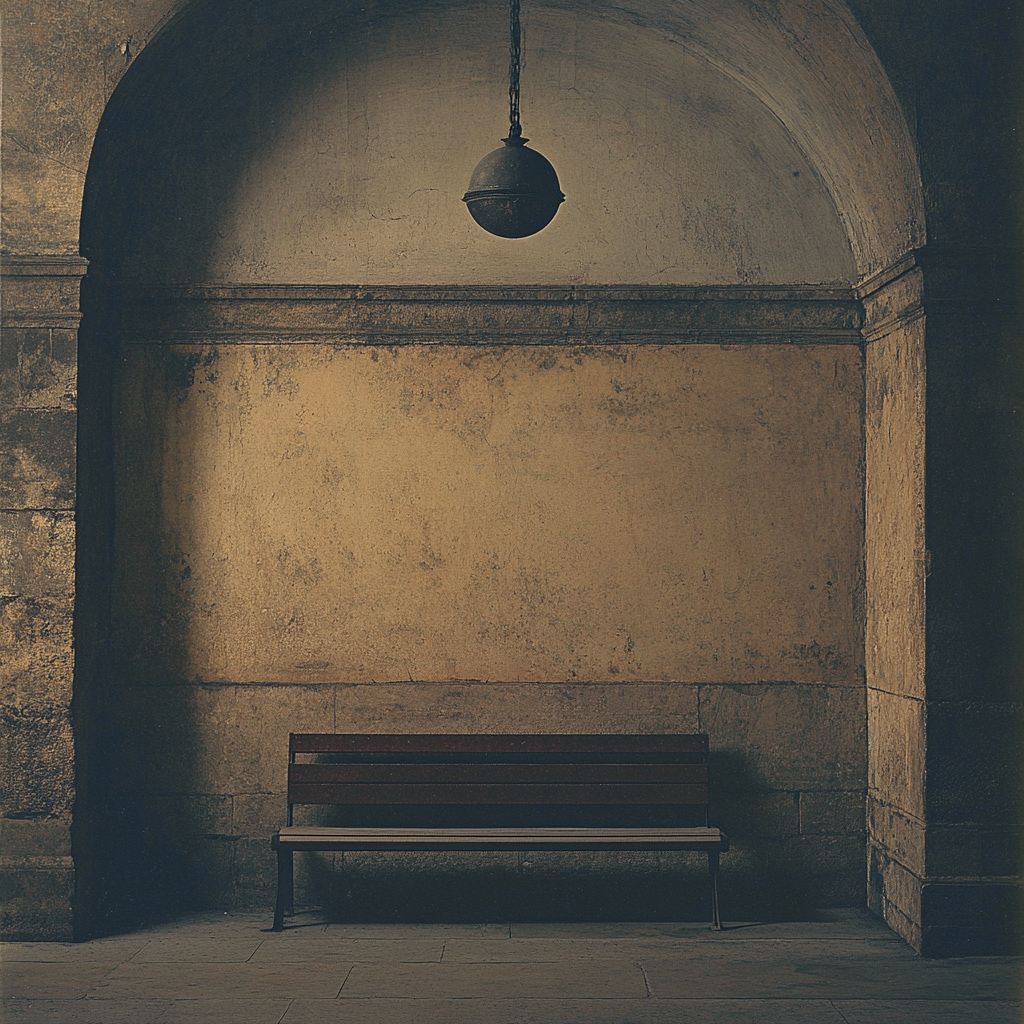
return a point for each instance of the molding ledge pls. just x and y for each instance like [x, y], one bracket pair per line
[41, 291]
[531, 315]
[939, 279]
[20, 265]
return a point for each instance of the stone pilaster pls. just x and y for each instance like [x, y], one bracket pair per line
[38, 430]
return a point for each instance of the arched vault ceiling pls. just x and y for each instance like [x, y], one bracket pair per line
[807, 62]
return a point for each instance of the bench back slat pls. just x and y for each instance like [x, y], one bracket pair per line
[456, 744]
[463, 793]
[508, 774]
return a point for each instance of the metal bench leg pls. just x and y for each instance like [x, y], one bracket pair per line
[716, 921]
[285, 887]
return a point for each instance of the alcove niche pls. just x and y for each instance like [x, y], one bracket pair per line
[349, 463]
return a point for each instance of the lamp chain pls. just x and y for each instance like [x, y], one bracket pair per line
[515, 129]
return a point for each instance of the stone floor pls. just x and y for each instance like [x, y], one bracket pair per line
[845, 968]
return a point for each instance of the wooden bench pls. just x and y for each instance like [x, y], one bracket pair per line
[547, 792]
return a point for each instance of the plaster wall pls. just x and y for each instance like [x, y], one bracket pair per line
[311, 512]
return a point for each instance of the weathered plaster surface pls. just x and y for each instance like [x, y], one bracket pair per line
[353, 169]
[715, 91]
[311, 512]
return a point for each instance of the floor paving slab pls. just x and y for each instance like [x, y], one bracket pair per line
[84, 1011]
[841, 925]
[836, 978]
[226, 1011]
[683, 950]
[520, 1010]
[418, 931]
[52, 980]
[105, 950]
[931, 1011]
[330, 948]
[223, 981]
[565, 980]
[197, 949]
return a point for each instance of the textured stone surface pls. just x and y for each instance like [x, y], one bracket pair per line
[37, 554]
[36, 656]
[965, 919]
[35, 897]
[975, 467]
[899, 833]
[896, 751]
[468, 707]
[970, 850]
[786, 736]
[417, 230]
[894, 893]
[38, 760]
[48, 364]
[37, 458]
[973, 759]
[832, 812]
[894, 541]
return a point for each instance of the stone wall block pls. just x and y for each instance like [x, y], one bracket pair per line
[973, 762]
[901, 836]
[23, 840]
[10, 370]
[260, 815]
[832, 812]
[896, 751]
[894, 539]
[967, 851]
[41, 291]
[37, 554]
[37, 458]
[36, 655]
[36, 900]
[48, 369]
[782, 736]
[752, 813]
[255, 875]
[792, 875]
[894, 893]
[192, 814]
[198, 872]
[970, 919]
[38, 758]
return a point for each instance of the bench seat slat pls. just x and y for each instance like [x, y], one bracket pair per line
[463, 793]
[311, 837]
[522, 774]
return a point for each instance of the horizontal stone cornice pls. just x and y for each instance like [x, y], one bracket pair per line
[539, 315]
[940, 279]
[40, 291]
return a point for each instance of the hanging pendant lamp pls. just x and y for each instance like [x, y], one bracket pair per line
[514, 191]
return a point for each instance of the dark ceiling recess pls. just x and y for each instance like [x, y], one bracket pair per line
[514, 191]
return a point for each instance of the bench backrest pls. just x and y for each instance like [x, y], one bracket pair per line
[422, 769]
